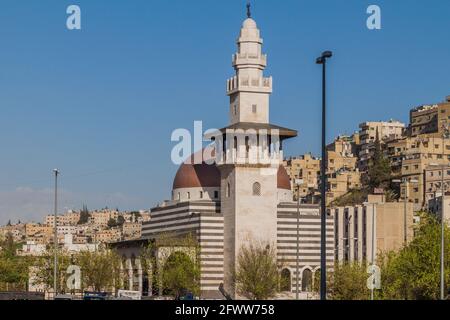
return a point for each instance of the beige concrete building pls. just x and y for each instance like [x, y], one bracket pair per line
[107, 235]
[433, 177]
[101, 217]
[342, 168]
[429, 119]
[421, 152]
[435, 206]
[355, 227]
[71, 218]
[305, 168]
[372, 131]
[132, 230]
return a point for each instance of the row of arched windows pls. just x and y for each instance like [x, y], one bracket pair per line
[306, 280]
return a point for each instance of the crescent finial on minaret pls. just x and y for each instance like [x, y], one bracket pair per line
[249, 13]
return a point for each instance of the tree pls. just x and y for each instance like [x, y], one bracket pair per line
[414, 271]
[100, 270]
[112, 223]
[84, 215]
[175, 261]
[13, 268]
[120, 220]
[379, 174]
[257, 273]
[43, 268]
[348, 281]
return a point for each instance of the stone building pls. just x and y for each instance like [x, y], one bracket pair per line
[304, 173]
[373, 131]
[429, 119]
[374, 227]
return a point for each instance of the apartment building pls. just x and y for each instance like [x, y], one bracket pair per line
[306, 169]
[101, 217]
[107, 235]
[132, 230]
[434, 176]
[342, 167]
[373, 131]
[421, 152]
[429, 119]
[374, 227]
[71, 218]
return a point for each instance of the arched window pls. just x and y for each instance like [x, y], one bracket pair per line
[201, 194]
[285, 284]
[256, 189]
[228, 190]
[188, 195]
[179, 196]
[307, 280]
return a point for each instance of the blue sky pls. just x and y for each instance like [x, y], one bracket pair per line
[100, 103]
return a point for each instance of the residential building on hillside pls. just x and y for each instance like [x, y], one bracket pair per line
[373, 131]
[304, 169]
[429, 119]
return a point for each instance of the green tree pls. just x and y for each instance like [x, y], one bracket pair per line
[178, 261]
[120, 220]
[348, 281]
[379, 174]
[84, 215]
[257, 274]
[112, 223]
[414, 271]
[43, 268]
[13, 268]
[100, 270]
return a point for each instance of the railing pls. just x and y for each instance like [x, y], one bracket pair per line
[236, 83]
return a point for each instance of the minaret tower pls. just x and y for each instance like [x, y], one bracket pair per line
[249, 197]
[249, 90]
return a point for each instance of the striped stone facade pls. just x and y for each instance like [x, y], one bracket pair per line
[204, 219]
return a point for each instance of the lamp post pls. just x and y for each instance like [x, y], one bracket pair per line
[55, 239]
[323, 212]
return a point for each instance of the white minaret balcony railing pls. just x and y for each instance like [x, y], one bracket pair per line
[235, 84]
[249, 59]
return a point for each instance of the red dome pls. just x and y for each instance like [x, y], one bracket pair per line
[197, 176]
[283, 181]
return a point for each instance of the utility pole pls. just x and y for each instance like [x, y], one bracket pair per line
[55, 239]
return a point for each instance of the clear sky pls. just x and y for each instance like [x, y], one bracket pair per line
[100, 103]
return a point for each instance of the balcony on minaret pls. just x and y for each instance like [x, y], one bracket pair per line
[247, 84]
[248, 59]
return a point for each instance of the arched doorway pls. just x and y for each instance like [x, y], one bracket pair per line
[285, 281]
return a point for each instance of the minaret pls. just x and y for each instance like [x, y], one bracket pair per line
[249, 90]
[249, 198]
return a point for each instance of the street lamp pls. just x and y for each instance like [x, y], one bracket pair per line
[323, 264]
[55, 239]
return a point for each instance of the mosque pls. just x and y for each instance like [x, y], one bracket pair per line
[242, 197]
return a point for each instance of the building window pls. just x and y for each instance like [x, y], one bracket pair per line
[228, 190]
[235, 109]
[188, 195]
[216, 194]
[179, 196]
[256, 189]
[254, 108]
[201, 194]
